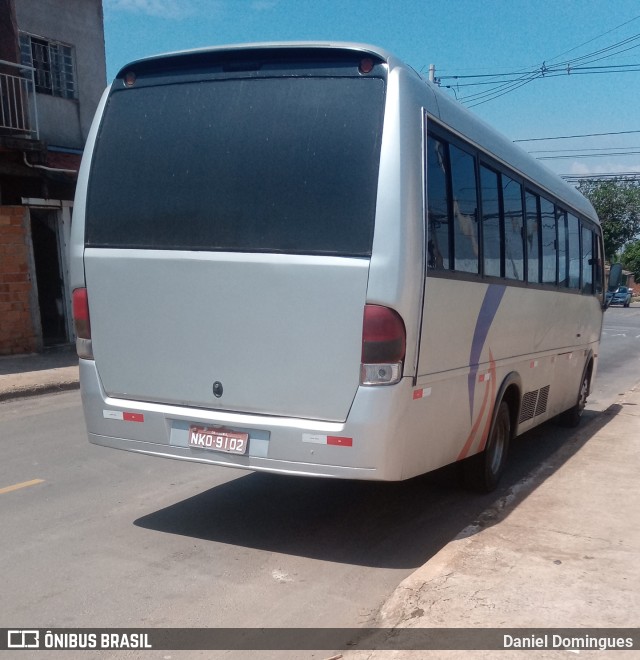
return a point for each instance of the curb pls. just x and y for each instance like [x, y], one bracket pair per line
[34, 390]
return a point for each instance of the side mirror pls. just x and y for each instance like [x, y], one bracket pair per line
[615, 277]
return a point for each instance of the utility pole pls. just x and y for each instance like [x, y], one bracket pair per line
[432, 73]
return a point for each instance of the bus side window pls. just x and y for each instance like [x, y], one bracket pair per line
[438, 208]
[599, 266]
[587, 260]
[574, 252]
[561, 222]
[464, 198]
[490, 222]
[533, 238]
[549, 241]
[513, 229]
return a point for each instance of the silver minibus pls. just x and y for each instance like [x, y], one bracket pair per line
[306, 259]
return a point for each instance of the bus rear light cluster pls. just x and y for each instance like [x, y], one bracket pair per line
[383, 346]
[82, 324]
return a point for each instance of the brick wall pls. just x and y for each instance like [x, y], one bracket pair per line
[17, 332]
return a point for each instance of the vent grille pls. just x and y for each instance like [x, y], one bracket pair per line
[528, 406]
[534, 404]
[543, 397]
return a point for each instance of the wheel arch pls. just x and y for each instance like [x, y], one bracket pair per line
[510, 391]
[587, 370]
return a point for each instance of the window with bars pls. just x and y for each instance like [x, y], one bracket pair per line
[53, 63]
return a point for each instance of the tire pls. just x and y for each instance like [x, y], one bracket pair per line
[571, 418]
[482, 472]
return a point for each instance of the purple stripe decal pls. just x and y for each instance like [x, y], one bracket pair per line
[490, 304]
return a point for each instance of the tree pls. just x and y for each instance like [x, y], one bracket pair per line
[631, 259]
[617, 203]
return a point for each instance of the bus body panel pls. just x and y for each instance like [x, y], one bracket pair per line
[524, 321]
[396, 272]
[170, 325]
[372, 444]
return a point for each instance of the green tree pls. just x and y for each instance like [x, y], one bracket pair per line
[617, 203]
[631, 259]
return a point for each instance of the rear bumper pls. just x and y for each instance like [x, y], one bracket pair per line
[369, 445]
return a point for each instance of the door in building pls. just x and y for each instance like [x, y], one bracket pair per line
[46, 252]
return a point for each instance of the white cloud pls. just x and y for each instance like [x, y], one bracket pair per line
[180, 9]
[580, 168]
[173, 9]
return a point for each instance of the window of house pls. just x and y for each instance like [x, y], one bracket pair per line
[53, 63]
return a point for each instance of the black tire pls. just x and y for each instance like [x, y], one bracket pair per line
[482, 472]
[571, 418]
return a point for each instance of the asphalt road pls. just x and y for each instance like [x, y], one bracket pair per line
[619, 364]
[112, 539]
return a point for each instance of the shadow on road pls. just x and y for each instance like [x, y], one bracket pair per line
[387, 525]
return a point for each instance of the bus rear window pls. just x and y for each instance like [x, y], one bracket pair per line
[282, 164]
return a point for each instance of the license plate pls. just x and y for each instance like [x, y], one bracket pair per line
[230, 442]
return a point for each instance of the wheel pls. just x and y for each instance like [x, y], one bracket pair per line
[571, 418]
[482, 472]
[628, 303]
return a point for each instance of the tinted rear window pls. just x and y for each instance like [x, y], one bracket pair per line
[282, 164]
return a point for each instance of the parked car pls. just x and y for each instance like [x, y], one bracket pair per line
[622, 296]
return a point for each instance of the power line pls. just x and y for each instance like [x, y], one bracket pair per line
[601, 175]
[611, 153]
[511, 89]
[552, 73]
[503, 87]
[569, 137]
[551, 151]
[547, 72]
[604, 34]
[560, 66]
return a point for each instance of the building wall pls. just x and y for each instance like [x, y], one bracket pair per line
[36, 201]
[79, 23]
[17, 331]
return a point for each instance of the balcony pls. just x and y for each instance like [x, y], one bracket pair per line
[18, 111]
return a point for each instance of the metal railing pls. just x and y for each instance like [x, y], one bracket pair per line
[18, 110]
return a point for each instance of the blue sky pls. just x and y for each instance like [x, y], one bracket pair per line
[462, 38]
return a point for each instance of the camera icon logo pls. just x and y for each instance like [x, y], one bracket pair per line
[23, 639]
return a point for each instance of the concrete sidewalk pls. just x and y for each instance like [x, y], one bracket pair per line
[561, 550]
[54, 370]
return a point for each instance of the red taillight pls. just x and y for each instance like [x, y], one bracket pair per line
[383, 336]
[81, 314]
[366, 65]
